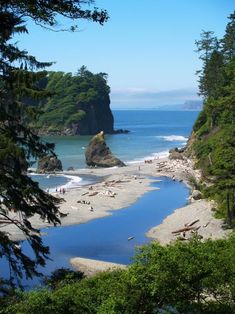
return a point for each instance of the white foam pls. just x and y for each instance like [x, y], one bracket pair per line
[173, 138]
[73, 182]
[158, 155]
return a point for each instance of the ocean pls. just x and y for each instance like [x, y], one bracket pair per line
[152, 133]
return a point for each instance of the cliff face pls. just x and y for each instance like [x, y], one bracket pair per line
[98, 117]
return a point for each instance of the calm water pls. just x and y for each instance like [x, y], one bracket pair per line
[53, 182]
[107, 238]
[151, 132]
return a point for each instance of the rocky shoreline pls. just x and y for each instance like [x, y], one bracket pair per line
[71, 132]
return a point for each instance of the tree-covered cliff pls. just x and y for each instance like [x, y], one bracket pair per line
[214, 130]
[79, 104]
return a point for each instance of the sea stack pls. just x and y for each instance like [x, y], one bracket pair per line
[98, 153]
[49, 164]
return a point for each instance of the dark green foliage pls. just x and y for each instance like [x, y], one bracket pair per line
[214, 129]
[228, 40]
[72, 98]
[19, 77]
[62, 276]
[192, 277]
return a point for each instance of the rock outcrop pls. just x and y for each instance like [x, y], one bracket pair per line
[196, 195]
[49, 164]
[176, 153]
[97, 117]
[98, 153]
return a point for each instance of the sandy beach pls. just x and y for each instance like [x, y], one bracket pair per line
[121, 187]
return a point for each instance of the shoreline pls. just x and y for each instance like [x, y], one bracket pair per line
[120, 187]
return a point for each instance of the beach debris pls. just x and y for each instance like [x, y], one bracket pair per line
[17, 245]
[182, 238]
[188, 228]
[85, 193]
[84, 202]
[73, 207]
[109, 193]
[181, 233]
[204, 226]
[130, 238]
[62, 215]
[192, 223]
[93, 193]
[91, 209]
[177, 234]
[113, 182]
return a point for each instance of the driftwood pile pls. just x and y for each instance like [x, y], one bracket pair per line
[188, 227]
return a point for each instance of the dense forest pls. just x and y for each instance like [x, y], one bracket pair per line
[214, 131]
[77, 104]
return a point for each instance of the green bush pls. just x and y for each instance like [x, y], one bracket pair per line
[192, 277]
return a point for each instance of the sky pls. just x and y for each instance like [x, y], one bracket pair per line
[147, 48]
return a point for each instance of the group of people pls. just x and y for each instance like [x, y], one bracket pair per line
[148, 161]
[61, 190]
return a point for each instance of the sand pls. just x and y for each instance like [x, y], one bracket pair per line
[91, 267]
[121, 187]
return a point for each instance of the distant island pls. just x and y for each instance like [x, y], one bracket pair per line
[78, 104]
[196, 105]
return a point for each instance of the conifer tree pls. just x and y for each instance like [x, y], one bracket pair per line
[19, 74]
[228, 41]
[206, 47]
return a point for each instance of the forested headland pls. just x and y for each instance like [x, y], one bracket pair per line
[77, 104]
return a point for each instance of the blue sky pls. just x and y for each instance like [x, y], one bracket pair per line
[147, 48]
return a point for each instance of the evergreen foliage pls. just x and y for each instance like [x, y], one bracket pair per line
[71, 96]
[214, 129]
[19, 74]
